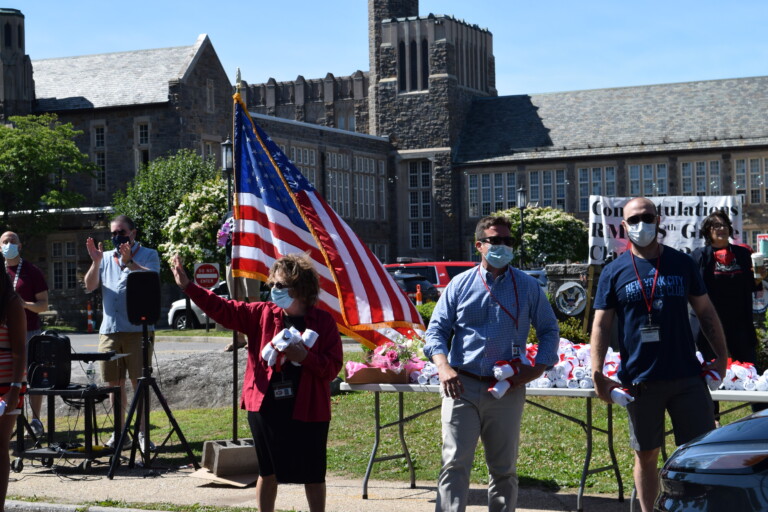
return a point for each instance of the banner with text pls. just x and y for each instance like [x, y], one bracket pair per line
[681, 218]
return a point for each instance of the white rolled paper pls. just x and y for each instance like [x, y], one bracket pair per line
[621, 397]
[586, 383]
[572, 384]
[309, 337]
[499, 389]
[713, 379]
[505, 371]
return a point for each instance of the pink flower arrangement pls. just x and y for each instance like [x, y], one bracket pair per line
[407, 353]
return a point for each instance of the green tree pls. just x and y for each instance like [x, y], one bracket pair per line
[159, 189]
[191, 232]
[38, 155]
[551, 235]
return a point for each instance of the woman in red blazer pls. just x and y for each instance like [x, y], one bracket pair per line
[289, 406]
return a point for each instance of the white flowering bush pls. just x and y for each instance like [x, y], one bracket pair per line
[551, 235]
[192, 231]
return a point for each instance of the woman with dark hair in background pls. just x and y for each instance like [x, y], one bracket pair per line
[289, 406]
[13, 365]
[728, 275]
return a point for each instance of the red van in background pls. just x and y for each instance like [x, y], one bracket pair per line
[436, 272]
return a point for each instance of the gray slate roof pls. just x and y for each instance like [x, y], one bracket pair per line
[601, 122]
[111, 79]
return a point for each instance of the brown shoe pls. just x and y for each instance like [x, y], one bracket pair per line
[240, 344]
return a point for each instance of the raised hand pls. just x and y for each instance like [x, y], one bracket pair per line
[179, 274]
[96, 253]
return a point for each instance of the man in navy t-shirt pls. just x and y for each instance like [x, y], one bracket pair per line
[648, 289]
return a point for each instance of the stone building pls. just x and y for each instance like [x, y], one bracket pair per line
[411, 152]
[460, 151]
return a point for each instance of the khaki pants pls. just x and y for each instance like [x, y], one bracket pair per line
[477, 415]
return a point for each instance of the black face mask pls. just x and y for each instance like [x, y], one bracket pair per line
[119, 240]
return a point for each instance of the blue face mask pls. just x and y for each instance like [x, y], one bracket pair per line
[281, 297]
[499, 256]
[117, 241]
[10, 251]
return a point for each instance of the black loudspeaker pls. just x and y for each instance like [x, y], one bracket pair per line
[49, 357]
[142, 297]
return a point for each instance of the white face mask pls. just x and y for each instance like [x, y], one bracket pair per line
[642, 233]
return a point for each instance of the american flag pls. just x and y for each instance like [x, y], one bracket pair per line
[278, 211]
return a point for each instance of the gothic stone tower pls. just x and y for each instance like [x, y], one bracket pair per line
[16, 85]
[425, 72]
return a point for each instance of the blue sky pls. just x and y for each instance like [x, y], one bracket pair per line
[546, 46]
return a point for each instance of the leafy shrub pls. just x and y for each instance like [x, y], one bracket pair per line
[570, 329]
[425, 310]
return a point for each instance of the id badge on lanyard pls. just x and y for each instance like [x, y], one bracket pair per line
[649, 333]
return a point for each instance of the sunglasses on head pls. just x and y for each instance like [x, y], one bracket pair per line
[279, 286]
[498, 240]
[648, 218]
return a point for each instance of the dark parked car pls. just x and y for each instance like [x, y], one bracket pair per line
[726, 469]
[408, 282]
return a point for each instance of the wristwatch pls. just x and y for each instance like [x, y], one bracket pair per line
[16, 385]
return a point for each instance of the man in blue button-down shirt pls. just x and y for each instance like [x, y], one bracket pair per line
[111, 269]
[483, 317]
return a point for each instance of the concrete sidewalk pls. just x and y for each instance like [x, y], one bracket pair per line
[66, 488]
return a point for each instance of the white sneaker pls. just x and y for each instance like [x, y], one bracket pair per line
[143, 444]
[111, 442]
[37, 428]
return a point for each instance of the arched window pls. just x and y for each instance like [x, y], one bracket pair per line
[401, 66]
[21, 37]
[7, 34]
[413, 67]
[424, 64]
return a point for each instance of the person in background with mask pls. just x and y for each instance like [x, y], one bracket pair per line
[648, 288]
[289, 405]
[29, 283]
[111, 269]
[487, 311]
[730, 280]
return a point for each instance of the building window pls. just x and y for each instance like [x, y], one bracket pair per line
[99, 156]
[547, 188]
[64, 265]
[487, 193]
[597, 181]
[751, 176]
[401, 66]
[700, 178]
[648, 179]
[142, 144]
[419, 202]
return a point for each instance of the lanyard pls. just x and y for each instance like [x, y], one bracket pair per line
[18, 273]
[648, 300]
[517, 300]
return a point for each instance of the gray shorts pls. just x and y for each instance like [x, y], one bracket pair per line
[687, 401]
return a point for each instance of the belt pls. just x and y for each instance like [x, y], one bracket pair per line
[481, 378]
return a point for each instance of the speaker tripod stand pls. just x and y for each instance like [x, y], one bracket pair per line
[139, 286]
[140, 405]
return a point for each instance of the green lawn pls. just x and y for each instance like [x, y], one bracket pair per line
[551, 449]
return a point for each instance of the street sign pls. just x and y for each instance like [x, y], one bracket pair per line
[207, 274]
